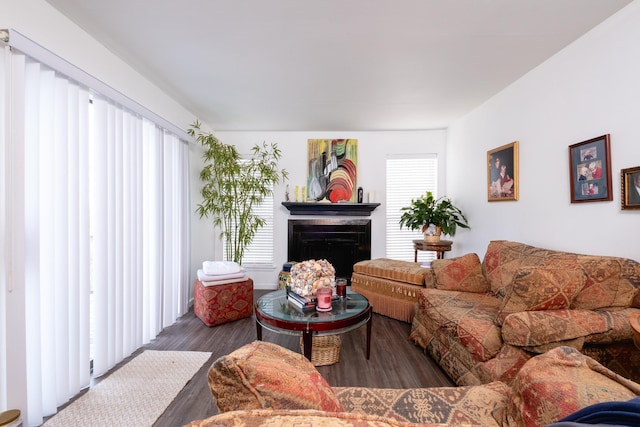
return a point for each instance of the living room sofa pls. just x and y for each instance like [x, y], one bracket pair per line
[263, 384]
[482, 321]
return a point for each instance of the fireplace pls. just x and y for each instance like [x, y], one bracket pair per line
[342, 242]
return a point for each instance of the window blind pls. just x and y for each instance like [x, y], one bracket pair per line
[407, 178]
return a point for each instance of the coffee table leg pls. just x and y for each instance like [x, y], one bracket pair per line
[259, 330]
[369, 323]
[307, 342]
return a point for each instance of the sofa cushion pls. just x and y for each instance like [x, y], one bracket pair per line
[467, 318]
[264, 375]
[463, 273]
[558, 383]
[537, 288]
[472, 405]
[537, 328]
[400, 271]
[503, 259]
[611, 283]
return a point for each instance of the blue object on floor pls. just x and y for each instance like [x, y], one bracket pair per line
[606, 413]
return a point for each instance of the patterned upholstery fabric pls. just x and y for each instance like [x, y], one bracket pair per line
[297, 418]
[534, 328]
[482, 405]
[399, 271]
[611, 283]
[460, 274]
[536, 289]
[545, 389]
[223, 303]
[264, 375]
[391, 286]
[560, 382]
[469, 318]
[387, 297]
[539, 299]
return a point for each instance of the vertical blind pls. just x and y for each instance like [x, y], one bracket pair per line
[407, 178]
[100, 209]
[4, 54]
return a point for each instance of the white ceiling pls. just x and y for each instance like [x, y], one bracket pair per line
[338, 65]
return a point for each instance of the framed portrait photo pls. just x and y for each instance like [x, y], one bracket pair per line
[590, 170]
[630, 187]
[502, 173]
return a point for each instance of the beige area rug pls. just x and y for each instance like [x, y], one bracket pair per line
[134, 395]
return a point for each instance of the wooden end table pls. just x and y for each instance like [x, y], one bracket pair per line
[274, 313]
[440, 247]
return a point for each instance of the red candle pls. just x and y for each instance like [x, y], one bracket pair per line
[341, 287]
[323, 296]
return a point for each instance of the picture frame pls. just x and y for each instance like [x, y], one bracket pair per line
[590, 170]
[630, 188]
[502, 173]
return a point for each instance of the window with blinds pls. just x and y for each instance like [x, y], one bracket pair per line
[407, 178]
[260, 251]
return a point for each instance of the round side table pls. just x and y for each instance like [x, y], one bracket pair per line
[439, 247]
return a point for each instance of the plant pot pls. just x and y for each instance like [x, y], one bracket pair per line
[433, 238]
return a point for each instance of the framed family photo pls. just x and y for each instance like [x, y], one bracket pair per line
[590, 170]
[502, 173]
[630, 186]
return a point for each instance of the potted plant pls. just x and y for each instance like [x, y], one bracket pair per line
[433, 217]
[233, 186]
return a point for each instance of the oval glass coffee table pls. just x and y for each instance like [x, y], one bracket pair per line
[273, 312]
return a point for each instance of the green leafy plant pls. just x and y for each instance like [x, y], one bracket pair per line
[427, 210]
[234, 186]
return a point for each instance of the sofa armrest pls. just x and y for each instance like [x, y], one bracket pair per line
[540, 328]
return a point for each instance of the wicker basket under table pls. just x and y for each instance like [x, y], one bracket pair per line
[325, 349]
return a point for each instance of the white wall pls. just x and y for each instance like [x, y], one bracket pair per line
[373, 150]
[590, 88]
[43, 24]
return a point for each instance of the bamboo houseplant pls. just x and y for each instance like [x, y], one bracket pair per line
[433, 217]
[233, 186]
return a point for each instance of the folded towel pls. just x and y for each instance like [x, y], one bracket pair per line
[212, 268]
[213, 277]
[225, 281]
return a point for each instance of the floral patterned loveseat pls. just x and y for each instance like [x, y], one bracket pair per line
[481, 321]
[264, 385]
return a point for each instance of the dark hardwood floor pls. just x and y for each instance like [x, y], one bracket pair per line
[395, 361]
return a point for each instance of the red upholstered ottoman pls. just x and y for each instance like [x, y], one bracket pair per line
[223, 303]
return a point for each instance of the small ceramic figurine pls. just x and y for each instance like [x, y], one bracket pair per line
[286, 193]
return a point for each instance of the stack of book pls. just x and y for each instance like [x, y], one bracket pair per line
[301, 302]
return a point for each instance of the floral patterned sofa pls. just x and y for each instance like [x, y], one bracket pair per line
[262, 384]
[481, 321]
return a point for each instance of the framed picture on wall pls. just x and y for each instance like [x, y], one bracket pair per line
[590, 170]
[502, 173]
[630, 186]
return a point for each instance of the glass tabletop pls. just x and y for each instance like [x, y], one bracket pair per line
[273, 309]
